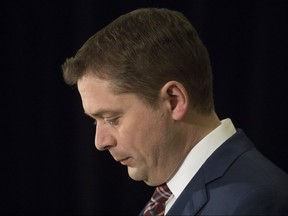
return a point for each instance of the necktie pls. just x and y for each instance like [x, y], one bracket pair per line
[156, 205]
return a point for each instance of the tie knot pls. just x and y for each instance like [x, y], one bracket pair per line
[156, 206]
[161, 194]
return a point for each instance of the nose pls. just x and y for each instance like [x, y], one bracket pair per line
[104, 140]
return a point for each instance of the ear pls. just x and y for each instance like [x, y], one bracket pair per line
[176, 96]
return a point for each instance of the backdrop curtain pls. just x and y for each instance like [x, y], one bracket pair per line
[49, 164]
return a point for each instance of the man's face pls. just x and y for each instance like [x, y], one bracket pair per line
[135, 134]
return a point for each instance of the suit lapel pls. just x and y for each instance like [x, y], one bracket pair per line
[194, 196]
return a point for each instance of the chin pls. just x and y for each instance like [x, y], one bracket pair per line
[140, 175]
[135, 174]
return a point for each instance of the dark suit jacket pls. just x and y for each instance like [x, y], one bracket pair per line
[235, 180]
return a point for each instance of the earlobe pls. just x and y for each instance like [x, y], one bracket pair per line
[177, 99]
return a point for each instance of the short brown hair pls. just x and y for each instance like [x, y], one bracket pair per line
[142, 50]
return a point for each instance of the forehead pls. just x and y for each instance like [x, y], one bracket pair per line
[97, 94]
[89, 83]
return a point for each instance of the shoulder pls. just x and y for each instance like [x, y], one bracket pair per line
[244, 198]
[266, 200]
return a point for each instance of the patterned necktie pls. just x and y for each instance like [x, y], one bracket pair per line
[156, 206]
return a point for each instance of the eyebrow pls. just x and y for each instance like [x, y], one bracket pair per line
[102, 112]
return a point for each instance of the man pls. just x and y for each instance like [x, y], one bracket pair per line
[146, 80]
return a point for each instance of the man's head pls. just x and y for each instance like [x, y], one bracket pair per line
[147, 82]
[141, 51]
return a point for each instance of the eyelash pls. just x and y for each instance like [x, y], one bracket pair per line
[111, 121]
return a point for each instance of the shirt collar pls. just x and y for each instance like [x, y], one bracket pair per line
[198, 155]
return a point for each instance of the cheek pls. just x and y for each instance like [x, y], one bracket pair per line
[148, 136]
[137, 132]
[144, 134]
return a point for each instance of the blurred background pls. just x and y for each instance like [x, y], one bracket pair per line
[49, 165]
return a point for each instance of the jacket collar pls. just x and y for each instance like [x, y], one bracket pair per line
[194, 196]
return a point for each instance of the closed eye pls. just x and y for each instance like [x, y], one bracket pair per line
[114, 121]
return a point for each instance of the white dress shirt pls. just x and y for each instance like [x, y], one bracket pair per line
[196, 158]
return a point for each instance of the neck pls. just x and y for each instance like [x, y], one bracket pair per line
[198, 126]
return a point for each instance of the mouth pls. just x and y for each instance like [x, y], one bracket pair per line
[124, 161]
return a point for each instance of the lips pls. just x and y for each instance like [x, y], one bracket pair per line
[124, 161]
